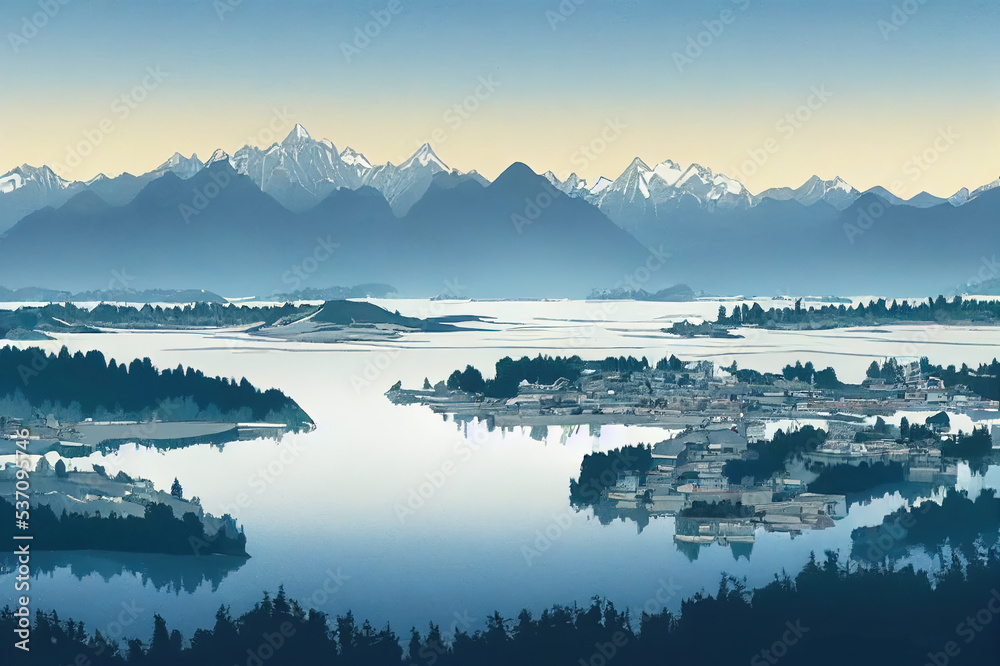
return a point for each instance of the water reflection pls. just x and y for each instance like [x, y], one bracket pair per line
[164, 573]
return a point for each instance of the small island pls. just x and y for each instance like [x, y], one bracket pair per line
[91, 510]
[76, 404]
[956, 312]
[330, 321]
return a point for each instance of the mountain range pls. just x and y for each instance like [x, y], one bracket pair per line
[303, 214]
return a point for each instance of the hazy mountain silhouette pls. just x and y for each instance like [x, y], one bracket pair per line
[516, 237]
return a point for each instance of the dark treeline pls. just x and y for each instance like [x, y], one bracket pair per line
[876, 312]
[772, 455]
[510, 373]
[826, 614]
[723, 509]
[546, 370]
[158, 531]
[807, 373]
[599, 471]
[96, 384]
[842, 479]
[983, 381]
[976, 445]
[958, 520]
[624, 365]
[148, 316]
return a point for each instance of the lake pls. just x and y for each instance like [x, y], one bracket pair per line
[402, 516]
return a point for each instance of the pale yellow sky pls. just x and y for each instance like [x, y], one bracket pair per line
[931, 152]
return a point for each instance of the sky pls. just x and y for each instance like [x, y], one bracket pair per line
[904, 94]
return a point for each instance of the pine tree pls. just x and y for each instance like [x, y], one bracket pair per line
[176, 490]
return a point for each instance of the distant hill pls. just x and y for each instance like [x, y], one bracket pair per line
[516, 237]
[676, 293]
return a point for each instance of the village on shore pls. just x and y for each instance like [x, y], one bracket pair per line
[716, 416]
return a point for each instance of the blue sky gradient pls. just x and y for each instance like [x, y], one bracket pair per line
[896, 79]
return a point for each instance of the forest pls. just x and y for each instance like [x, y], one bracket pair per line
[827, 613]
[158, 531]
[957, 520]
[939, 310]
[87, 385]
[51, 317]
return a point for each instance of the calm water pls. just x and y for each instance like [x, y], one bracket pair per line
[332, 514]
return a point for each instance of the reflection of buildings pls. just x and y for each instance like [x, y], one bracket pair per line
[689, 468]
[807, 511]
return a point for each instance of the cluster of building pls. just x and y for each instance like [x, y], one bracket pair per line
[694, 394]
[688, 473]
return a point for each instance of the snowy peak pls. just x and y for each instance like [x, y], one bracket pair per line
[573, 185]
[960, 197]
[425, 156]
[641, 190]
[41, 178]
[985, 188]
[668, 171]
[837, 192]
[184, 167]
[601, 185]
[353, 158]
[218, 156]
[297, 135]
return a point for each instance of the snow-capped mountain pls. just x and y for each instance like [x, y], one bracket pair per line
[573, 185]
[601, 184]
[300, 171]
[960, 197]
[25, 189]
[40, 179]
[403, 185]
[184, 167]
[985, 188]
[836, 192]
[642, 191]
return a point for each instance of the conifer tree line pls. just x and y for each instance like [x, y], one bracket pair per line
[95, 385]
[830, 612]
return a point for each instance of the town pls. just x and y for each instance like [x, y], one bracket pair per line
[725, 422]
